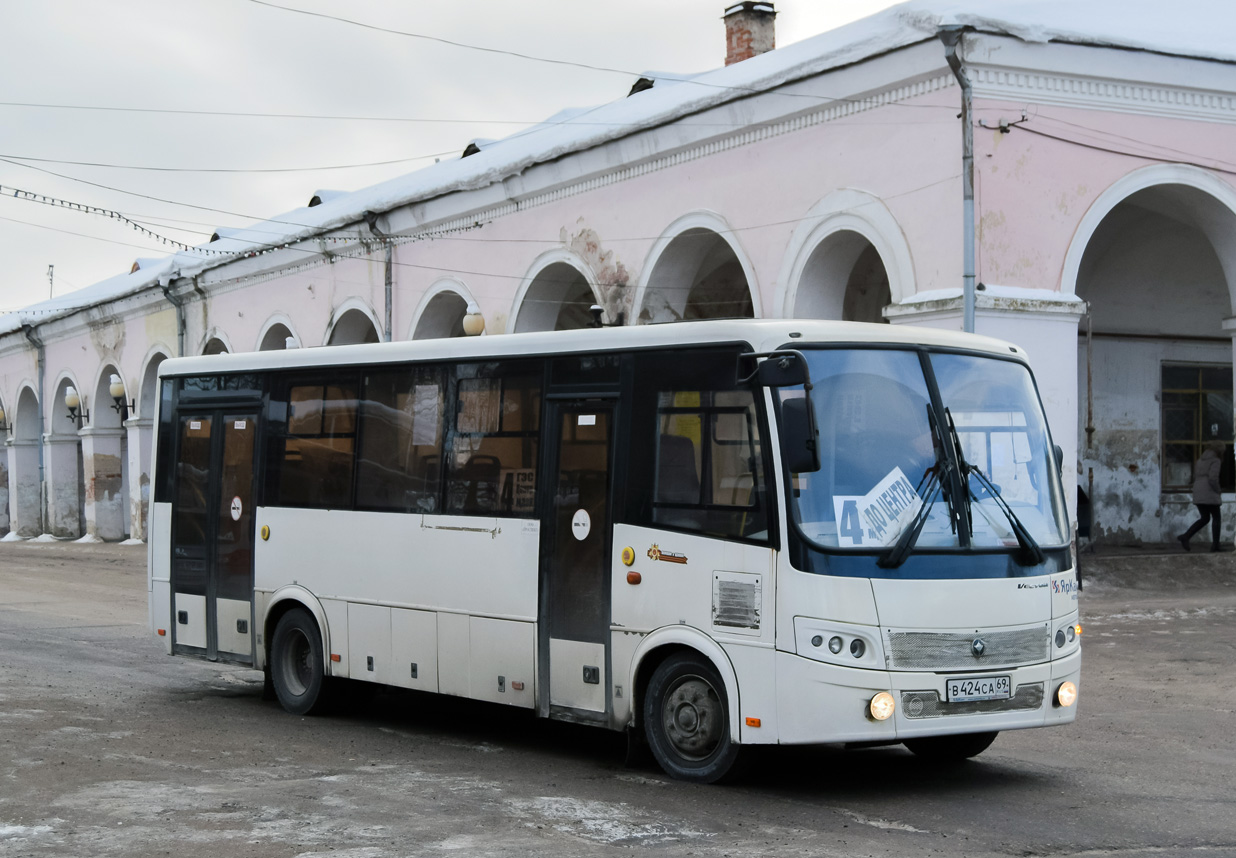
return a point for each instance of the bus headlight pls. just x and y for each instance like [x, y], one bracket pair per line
[1066, 695]
[881, 706]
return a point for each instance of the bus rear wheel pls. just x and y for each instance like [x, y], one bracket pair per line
[686, 720]
[945, 749]
[297, 667]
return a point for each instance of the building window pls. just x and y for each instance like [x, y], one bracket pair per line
[1197, 409]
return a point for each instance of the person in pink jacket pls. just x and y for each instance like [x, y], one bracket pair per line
[1206, 495]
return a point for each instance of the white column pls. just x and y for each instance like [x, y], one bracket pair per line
[141, 432]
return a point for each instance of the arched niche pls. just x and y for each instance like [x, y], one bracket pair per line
[697, 272]
[352, 326]
[558, 297]
[441, 316]
[275, 334]
[843, 278]
[1155, 263]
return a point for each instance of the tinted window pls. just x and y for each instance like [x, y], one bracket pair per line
[312, 457]
[697, 457]
[492, 458]
[401, 434]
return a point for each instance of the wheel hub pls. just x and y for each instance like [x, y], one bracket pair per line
[693, 718]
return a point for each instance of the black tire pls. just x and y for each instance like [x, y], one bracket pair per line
[687, 720]
[951, 749]
[297, 668]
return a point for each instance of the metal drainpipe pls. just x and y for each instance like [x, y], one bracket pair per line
[371, 220]
[41, 351]
[1089, 378]
[951, 37]
[179, 304]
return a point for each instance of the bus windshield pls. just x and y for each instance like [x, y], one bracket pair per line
[971, 470]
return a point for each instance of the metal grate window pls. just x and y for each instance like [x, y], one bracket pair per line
[1196, 405]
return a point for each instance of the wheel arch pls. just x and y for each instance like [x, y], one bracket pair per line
[289, 599]
[664, 642]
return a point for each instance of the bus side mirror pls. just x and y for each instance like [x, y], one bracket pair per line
[799, 448]
[782, 371]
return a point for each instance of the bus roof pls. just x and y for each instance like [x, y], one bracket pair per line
[761, 334]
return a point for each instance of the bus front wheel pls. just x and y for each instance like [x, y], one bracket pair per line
[686, 720]
[297, 667]
[946, 749]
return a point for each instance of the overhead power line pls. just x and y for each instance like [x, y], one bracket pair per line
[9, 157]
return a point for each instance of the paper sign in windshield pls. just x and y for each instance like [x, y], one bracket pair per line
[877, 518]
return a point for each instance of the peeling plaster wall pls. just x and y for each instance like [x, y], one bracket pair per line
[1124, 453]
[4, 496]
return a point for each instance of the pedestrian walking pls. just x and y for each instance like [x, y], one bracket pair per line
[1206, 495]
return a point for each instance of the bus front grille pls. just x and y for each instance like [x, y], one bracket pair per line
[973, 651]
[927, 704]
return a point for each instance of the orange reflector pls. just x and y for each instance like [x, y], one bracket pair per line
[334, 656]
[634, 577]
[162, 633]
[753, 722]
[517, 686]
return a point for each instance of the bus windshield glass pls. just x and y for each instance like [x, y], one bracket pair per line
[971, 470]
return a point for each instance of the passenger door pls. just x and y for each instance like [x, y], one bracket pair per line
[575, 591]
[212, 534]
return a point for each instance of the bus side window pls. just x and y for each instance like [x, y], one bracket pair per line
[492, 458]
[400, 456]
[313, 457]
[697, 461]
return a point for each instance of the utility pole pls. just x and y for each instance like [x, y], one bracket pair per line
[51, 281]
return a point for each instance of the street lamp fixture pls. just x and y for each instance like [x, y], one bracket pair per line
[120, 406]
[77, 409]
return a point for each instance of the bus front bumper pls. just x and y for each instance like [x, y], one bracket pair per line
[827, 703]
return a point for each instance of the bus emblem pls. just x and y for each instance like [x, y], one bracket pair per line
[978, 646]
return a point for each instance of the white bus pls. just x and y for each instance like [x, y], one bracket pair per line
[716, 534]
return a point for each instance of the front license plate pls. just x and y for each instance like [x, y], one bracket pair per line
[978, 688]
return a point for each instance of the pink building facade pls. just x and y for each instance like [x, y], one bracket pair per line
[820, 180]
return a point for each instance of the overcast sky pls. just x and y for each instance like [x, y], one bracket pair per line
[83, 59]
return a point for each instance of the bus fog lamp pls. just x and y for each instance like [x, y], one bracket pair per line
[1066, 695]
[881, 706]
[1060, 638]
[835, 644]
[817, 641]
[857, 647]
[1071, 632]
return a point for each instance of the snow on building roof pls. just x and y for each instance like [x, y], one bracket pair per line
[1199, 29]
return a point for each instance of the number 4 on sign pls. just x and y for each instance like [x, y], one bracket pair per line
[850, 526]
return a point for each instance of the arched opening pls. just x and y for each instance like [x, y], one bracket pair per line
[63, 471]
[1158, 362]
[558, 299]
[215, 346]
[442, 317]
[352, 327]
[104, 462]
[25, 491]
[275, 338]
[697, 276]
[844, 278]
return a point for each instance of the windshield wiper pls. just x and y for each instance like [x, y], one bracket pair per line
[896, 555]
[1030, 548]
[900, 550]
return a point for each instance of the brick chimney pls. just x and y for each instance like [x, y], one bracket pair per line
[749, 30]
